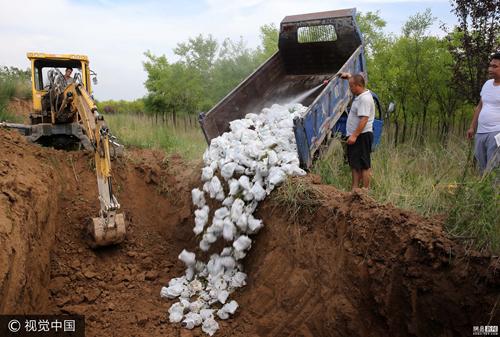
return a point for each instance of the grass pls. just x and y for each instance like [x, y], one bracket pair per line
[474, 215]
[10, 87]
[142, 131]
[295, 197]
[432, 179]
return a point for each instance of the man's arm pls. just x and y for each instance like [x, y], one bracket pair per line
[362, 123]
[473, 124]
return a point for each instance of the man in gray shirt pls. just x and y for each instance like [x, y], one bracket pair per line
[360, 131]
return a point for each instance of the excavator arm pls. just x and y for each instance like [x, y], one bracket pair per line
[109, 227]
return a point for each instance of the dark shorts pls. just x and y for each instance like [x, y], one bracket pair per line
[358, 154]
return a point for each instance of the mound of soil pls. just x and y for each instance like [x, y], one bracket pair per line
[348, 266]
[342, 266]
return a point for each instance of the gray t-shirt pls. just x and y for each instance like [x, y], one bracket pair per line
[362, 106]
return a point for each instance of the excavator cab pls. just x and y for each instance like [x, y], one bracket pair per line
[46, 68]
[49, 124]
[65, 114]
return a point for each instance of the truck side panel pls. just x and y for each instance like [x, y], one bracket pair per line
[318, 121]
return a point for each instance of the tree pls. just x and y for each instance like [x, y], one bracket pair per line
[174, 88]
[199, 53]
[420, 53]
[234, 63]
[269, 36]
[371, 26]
[414, 71]
[471, 43]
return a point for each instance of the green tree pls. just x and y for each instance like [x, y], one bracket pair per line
[420, 52]
[234, 63]
[472, 41]
[199, 53]
[371, 26]
[269, 35]
[172, 88]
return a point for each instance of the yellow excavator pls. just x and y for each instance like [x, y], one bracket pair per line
[65, 116]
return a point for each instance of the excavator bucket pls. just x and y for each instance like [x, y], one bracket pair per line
[108, 231]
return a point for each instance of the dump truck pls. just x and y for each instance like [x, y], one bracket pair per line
[313, 49]
[65, 116]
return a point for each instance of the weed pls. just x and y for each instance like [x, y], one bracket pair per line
[296, 197]
[474, 212]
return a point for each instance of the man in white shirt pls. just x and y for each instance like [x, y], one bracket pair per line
[360, 131]
[486, 121]
[67, 76]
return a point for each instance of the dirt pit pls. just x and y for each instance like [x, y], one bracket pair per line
[340, 265]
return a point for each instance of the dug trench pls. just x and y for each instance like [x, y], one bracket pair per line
[327, 263]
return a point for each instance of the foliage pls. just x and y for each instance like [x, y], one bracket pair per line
[120, 107]
[205, 72]
[471, 43]
[14, 82]
[474, 214]
[414, 70]
[174, 88]
[371, 25]
[295, 197]
[269, 35]
[410, 176]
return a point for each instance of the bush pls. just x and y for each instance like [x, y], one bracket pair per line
[13, 83]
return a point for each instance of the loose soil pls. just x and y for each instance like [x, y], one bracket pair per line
[343, 265]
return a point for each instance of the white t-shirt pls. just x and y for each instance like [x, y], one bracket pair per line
[489, 117]
[362, 106]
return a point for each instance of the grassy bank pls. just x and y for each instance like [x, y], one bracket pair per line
[432, 179]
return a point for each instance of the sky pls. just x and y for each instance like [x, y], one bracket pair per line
[116, 33]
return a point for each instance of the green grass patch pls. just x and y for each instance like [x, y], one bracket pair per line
[474, 215]
[142, 131]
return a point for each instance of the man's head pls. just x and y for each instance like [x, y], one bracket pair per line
[357, 84]
[494, 67]
[68, 72]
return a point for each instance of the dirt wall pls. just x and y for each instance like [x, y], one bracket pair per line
[28, 210]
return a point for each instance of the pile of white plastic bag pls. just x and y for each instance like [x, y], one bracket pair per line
[242, 167]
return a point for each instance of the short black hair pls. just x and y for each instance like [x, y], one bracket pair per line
[359, 79]
[69, 68]
[496, 56]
